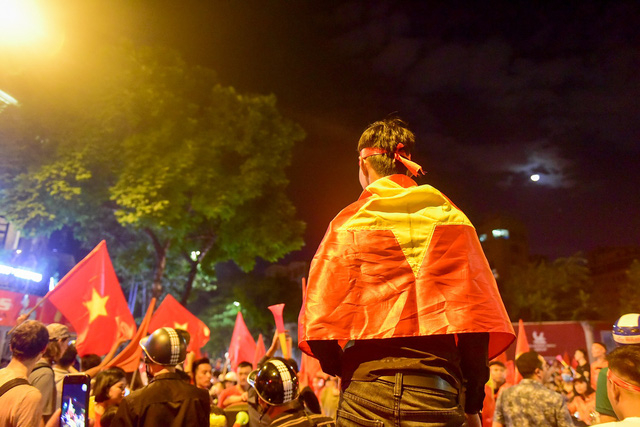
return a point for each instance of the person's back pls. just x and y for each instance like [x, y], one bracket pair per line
[529, 403]
[19, 401]
[167, 401]
[398, 296]
[19, 406]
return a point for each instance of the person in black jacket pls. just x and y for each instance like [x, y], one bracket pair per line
[276, 387]
[168, 400]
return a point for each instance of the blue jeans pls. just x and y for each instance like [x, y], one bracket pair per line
[382, 403]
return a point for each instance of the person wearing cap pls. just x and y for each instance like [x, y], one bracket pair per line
[42, 376]
[401, 302]
[276, 386]
[168, 400]
[623, 385]
[626, 331]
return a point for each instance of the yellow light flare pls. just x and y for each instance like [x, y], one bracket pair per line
[21, 23]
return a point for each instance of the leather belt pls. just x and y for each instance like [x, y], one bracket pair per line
[428, 381]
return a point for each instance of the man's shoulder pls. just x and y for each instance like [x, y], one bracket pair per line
[532, 388]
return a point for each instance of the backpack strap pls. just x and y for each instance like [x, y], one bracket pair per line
[11, 384]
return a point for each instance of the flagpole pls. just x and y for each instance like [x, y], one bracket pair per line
[28, 313]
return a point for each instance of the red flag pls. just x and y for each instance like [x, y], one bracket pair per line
[242, 347]
[172, 314]
[260, 351]
[90, 297]
[309, 367]
[129, 358]
[522, 346]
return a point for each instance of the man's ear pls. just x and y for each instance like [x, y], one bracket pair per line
[615, 393]
[364, 167]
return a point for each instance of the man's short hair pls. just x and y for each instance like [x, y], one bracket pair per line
[387, 134]
[527, 363]
[29, 339]
[244, 365]
[497, 363]
[198, 362]
[89, 361]
[625, 362]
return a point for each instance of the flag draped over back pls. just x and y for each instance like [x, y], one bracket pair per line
[242, 347]
[172, 314]
[522, 346]
[91, 299]
[129, 358]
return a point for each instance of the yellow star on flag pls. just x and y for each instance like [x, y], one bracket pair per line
[97, 306]
[182, 326]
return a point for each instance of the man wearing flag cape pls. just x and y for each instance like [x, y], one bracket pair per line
[401, 302]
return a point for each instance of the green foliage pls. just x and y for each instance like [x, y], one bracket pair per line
[141, 149]
[254, 294]
[560, 290]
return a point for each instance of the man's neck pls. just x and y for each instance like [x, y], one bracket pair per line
[21, 369]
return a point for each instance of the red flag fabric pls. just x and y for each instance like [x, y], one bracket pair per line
[129, 358]
[91, 298]
[172, 314]
[260, 351]
[309, 367]
[242, 347]
[522, 346]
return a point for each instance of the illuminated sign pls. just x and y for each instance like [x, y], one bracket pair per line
[20, 273]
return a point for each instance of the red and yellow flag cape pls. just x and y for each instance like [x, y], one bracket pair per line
[402, 261]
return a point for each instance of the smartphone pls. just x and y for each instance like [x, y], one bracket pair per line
[75, 401]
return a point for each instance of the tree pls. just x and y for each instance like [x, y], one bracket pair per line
[560, 290]
[156, 156]
[250, 293]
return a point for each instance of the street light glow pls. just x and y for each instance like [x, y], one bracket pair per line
[21, 23]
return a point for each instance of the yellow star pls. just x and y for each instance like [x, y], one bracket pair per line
[182, 326]
[96, 306]
[424, 209]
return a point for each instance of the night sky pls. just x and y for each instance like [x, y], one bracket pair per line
[495, 91]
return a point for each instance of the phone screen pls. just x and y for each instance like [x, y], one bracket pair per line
[75, 398]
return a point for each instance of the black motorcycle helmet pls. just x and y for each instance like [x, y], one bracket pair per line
[276, 382]
[166, 346]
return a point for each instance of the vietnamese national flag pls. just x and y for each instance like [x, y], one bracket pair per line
[522, 346]
[242, 347]
[260, 351]
[172, 314]
[129, 358]
[91, 299]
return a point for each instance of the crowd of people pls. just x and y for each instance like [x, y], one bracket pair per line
[401, 310]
